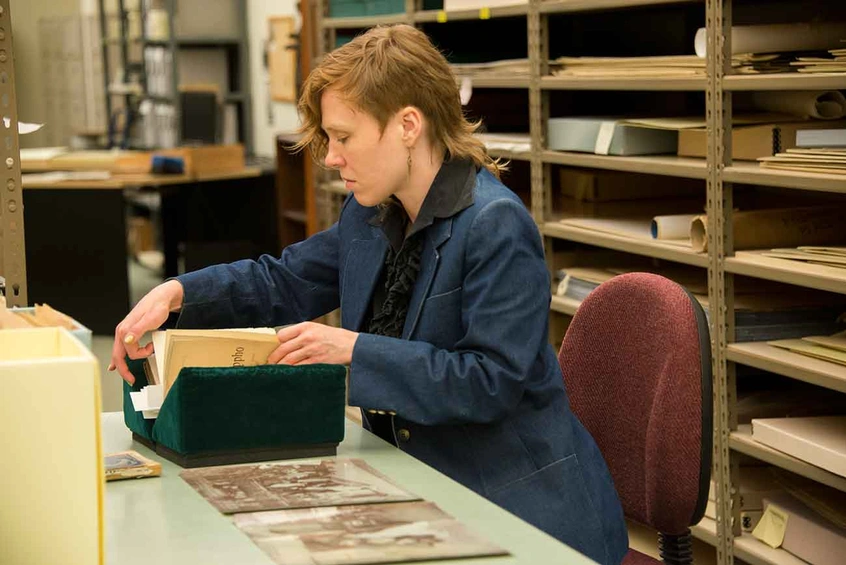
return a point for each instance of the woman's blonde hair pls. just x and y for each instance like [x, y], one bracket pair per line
[382, 71]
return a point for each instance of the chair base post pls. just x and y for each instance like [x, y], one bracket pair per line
[676, 550]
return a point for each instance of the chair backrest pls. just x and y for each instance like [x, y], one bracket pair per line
[636, 364]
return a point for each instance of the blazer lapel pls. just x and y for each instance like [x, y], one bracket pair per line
[437, 234]
[363, 266]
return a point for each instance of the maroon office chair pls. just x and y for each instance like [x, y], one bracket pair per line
[636, 363]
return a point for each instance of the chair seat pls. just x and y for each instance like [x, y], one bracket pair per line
[637, 558]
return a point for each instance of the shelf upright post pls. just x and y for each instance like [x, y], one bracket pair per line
[13, 253]
[174, 72]
[244, 86]
[720, 285]
[538, 109]
[104, 38]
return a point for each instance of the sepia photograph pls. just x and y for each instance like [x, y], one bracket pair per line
[293, 484]
[363, 534]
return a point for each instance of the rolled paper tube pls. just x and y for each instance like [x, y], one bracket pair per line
[821, 105]
[675, 226]
[780, 227]
[779, 38]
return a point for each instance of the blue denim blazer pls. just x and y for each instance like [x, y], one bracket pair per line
[475, 385]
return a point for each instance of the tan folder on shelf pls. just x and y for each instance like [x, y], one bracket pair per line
[818, 440]
[777, 227]
[811, 349]
[836, 342]
[751, 142]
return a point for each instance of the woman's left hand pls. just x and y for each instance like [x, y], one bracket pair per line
[308, 343]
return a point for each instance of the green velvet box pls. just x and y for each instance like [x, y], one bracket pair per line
[218, 416]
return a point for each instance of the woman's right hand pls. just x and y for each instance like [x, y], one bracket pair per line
[149, 314]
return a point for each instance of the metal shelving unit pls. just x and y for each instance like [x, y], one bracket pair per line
[647, 247]
[686, 167]
[687, 84]
[239, 62]
[572, 6]
[719, 173]
[789, 364]
[749, 173]
[820, 277]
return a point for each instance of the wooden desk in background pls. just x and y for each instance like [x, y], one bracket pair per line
[76, 245]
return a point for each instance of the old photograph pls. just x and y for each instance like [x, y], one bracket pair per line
[362, 534]
[293, 484]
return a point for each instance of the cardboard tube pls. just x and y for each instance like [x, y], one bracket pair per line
[676, 226]
[822, 105]
[780, 227]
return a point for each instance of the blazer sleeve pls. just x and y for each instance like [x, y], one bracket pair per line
[505, 309]
[300, 285]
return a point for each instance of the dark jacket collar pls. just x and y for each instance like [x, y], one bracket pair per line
[450, 193]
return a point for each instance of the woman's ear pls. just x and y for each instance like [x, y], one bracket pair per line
[411, 120]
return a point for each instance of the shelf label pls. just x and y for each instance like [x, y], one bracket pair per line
[442, 17]
[484, 13]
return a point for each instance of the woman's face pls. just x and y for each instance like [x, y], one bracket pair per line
[373, 164]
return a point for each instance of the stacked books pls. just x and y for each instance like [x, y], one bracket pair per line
[831, 348]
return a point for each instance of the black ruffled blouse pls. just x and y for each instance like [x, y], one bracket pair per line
[451, 192]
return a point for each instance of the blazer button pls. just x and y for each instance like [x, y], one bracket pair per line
[404, 434]
[371, 411]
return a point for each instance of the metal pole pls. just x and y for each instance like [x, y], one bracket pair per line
[14, 249]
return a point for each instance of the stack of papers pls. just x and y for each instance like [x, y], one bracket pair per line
[821, 160]
[834, 62]
[827, 348]
[660, 66]
[827, 256]
[510, 68]
[516, 142]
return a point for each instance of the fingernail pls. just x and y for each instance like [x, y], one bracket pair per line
[129, 338]
[111, 368]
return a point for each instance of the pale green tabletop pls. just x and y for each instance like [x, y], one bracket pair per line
[164, 521]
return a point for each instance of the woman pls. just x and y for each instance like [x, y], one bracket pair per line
[444, 294]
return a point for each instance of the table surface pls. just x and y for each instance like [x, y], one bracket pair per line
[164, 521]
[119, 181]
